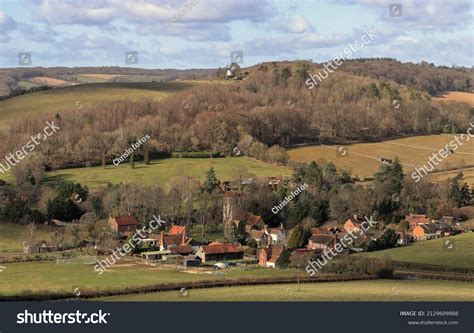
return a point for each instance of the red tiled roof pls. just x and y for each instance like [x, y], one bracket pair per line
[125, 220]
[273, 253]
[176, 230]
[222, 248]
[181, 249]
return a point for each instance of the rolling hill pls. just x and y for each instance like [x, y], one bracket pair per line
[363, 159]
[83, 95]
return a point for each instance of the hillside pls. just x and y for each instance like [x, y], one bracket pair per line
[83, 96]
[433, 252]
[363, 159]
[163, 172]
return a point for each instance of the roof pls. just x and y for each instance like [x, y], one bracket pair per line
[125, 220]
[417, 218]
[176, 230]
[221, 248]
[253, 219]
[256, 234]
[322, 239]
[273, 253]
[181, 249]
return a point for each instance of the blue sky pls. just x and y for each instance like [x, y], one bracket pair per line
[203, 33]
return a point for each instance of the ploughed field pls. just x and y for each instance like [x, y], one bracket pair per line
[364, 159]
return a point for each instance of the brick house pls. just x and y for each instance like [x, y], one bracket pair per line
[176, 236]
[219, 251]
[268, 257]
[431, 230]
[122, 224]
[353, 224]
[416, 219]
[322, 242]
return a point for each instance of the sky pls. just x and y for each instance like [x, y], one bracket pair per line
[210, 33]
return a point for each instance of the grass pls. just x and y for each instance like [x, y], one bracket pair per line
[68, 98]
[12, 236]
[376, 290]
[161, 172]
[433, 252]
[363, 159]
[40, 277]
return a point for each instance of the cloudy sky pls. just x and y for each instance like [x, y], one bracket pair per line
[204, 33]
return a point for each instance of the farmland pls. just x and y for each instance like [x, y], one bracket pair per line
[363, 159]
[433, 252]
[457, 96]
[162, 172]
[35, 277]
[377, 290]
[12, 236]
[81, 96]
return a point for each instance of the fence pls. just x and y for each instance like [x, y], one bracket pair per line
[82, 260]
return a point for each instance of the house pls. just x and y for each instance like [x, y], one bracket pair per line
[176, 236]
[267, 257]
[415, 219]
[122, 224]
[219, 251]
[353, 224]
[328, 230]
[448, 220]
[322, 242]
[259, 236]
[277, 182]
[252, 222]
[276, 236]
[431, 230]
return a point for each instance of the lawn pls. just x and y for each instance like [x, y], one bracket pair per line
[161, 172]
[376, 290]
[83, 95]
[36, 277]
[433, 252]
[363, 159]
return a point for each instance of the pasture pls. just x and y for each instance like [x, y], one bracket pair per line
[434, 252]
[350, 291]
[363, 159]
[162, 172]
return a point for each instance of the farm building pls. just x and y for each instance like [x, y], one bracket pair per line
[219, 251]
[122, 224]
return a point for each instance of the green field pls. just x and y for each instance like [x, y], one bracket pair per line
[432, 252]
[13, 235]
[376, 290]
[362, 159]
[40, 277]
[83, 95]
[161, 172]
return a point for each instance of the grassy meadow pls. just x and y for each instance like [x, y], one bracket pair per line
[162, 172]
[39, 277]
[13, 235]
[70, 98]
[433, 252]
[375, 290]
[362, 159]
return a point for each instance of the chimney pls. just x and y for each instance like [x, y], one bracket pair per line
[183, 236]
[162, 240]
